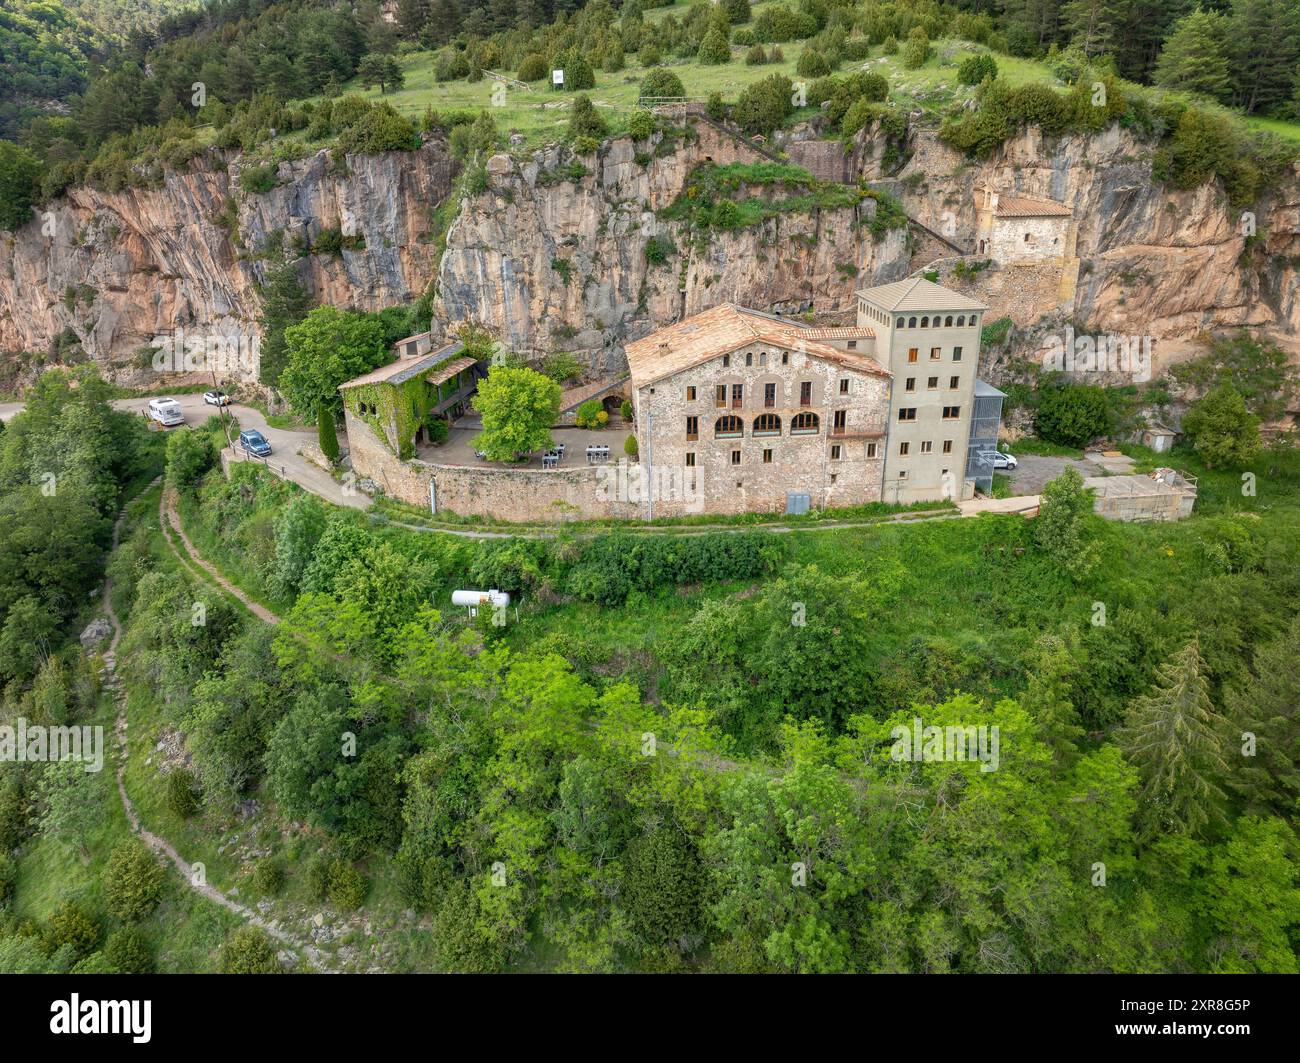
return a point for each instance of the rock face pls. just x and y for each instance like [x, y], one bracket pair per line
[1152, 260]
[554, 258]
[550, 263]
[118, 269]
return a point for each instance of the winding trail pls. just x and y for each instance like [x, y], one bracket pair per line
[162, 849]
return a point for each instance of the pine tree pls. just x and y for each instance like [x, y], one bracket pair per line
[1048, 698]
[1268, 707]
[1195, 56]
[285, 302]
[1266, 35]
[1174, 738]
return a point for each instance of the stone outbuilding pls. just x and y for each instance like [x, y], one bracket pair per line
[1011, 227]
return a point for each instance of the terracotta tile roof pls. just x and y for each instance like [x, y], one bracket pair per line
[1018, 206]
[404, 368]
[571, 397]
[918, 294]
[842, 332]
[449, 370]
[721, 330]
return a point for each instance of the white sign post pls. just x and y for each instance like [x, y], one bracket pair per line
[557, 78]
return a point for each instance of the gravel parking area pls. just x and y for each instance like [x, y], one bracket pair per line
[1035, 470]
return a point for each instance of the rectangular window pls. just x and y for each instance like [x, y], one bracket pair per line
[840, 422]
[956, 354]
[720, 396]
[902, 474]
[844, 386]
[954, 382]
[835, 452]
[907, 413]
[927, 446]
[951, 413]
[903, 448]
[910, 385]
[852, 345]
[805, 393]
[932, 383]
[749, 357]
[692, 428]
[735, 457]
[785, 357]
[737, 394]
[935, 353]
[871, 450]
[769, 395]
[947, 446]
[912, 354]
[690, 459]
[767, 456]
[762, 357]
[690, 394]
[726, 361]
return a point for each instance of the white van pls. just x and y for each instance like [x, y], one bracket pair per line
[166, 412]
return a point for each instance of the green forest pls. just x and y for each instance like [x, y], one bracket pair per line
[679, 755]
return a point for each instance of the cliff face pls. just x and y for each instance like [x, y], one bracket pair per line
[118, 269]
[561, 264]
[1152, 260]
[552, 262]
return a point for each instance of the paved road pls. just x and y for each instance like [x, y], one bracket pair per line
[285, 442]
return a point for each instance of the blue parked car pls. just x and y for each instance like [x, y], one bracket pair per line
[253, 442]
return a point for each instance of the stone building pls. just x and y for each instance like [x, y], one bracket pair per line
[1011, 228]
[757, 413]
[929, 339]
[398, 402]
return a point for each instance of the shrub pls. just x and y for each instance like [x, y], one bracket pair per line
[190, 454]
[755, 56]
[561, 366]
[249, 951]
[258, 180]
[764, 105]
[326, 434]
[856, 48]
[630, 446]
[917, 49]
[73, 925]
[1222, 430]
[181, 796]
[660, 82]
[642, 125]
[268, 876]
[737, 11]
[975, 68]
[585, 123]
[658, 249]
[133, 881]
[717, 109]
[346, 886]
[380, 129]
[813, 64]
[625, 409]
[613, 60]
[648, 56]
[533, 68]
[589, 414]
[714, 48]
[1072, 415]
[127, 951]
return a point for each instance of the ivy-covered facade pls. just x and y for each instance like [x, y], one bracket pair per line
[402, 402]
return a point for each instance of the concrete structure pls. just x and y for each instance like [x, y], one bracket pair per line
[398, 401]
[759, 413]
[1158, 437]
[929, 339]
[1162, 495]
[1011, 227]
[610, 393]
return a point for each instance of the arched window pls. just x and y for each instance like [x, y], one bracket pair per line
[961, 320]
[947, 321]
[925, 322]
[767, 424]
[805, 424]
[911, 322]
[728, 427]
